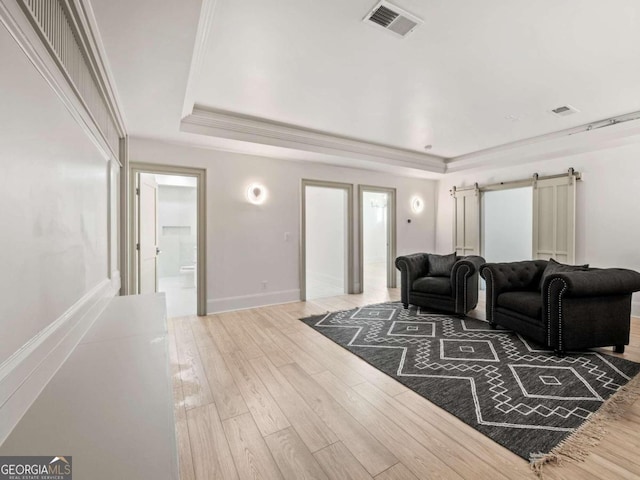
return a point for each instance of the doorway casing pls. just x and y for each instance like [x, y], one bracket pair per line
[136, 168]
[391, 232]
[348, 188]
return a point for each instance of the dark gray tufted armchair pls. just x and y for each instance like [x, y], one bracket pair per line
[457, 293]
[570, 310]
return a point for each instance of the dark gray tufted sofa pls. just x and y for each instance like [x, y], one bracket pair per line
[569, 311]
[457, 293]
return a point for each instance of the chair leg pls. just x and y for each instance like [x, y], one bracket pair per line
[560, 353]
[618, 349]
[405, 305]
[492, 326]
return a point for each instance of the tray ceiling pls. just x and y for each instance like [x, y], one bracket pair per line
[471, 77]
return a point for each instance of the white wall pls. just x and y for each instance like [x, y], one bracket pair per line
[177, 207]
[374, 225]
[53, 205]
[326, 237]
[608, 204]
[246, 243]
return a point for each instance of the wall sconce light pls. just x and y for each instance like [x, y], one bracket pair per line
[256, 193]
[417, 204]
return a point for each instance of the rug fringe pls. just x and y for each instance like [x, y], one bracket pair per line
[576, 447]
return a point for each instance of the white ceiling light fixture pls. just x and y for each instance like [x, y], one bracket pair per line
[256, 194]
[393, 19]
[417, 204]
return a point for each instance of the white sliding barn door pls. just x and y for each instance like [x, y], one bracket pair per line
[554, 219]
[466, 224]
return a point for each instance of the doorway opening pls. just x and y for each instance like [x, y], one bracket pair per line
[168, 236]
[377, 238]
[326, 265]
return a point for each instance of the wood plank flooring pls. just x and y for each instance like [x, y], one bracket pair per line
[259, 395]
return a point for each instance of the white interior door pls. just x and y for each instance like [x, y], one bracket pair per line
[147, 233]
[466, 224]
[554, 219]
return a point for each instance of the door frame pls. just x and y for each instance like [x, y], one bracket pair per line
[348, 187]
[201, 187]
[392, 278]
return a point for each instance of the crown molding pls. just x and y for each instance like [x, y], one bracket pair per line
[202, 38]
[217, 123]
[554, 145]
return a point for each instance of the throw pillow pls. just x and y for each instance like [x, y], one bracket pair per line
[556, 267]
[441, 265]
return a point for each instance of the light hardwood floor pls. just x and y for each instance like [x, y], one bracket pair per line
[258, 394]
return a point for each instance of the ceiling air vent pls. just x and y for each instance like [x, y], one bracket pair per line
[393, 19]
[564, 111]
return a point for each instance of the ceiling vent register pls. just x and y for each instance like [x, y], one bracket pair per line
[564, 111]
[393, 19]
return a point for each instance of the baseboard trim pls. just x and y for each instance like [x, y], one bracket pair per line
[26, 373]
[228, 304]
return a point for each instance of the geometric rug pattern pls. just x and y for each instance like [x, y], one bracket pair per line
[515, 392]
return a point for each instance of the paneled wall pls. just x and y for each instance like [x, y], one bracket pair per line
[59, 190]
[53, 205]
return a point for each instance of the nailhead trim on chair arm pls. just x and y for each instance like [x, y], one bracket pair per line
[560, 294]
[488, 276]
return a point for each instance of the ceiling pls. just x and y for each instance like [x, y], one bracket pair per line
[310, 80]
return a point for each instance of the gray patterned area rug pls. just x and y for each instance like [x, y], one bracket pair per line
[513, 391]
